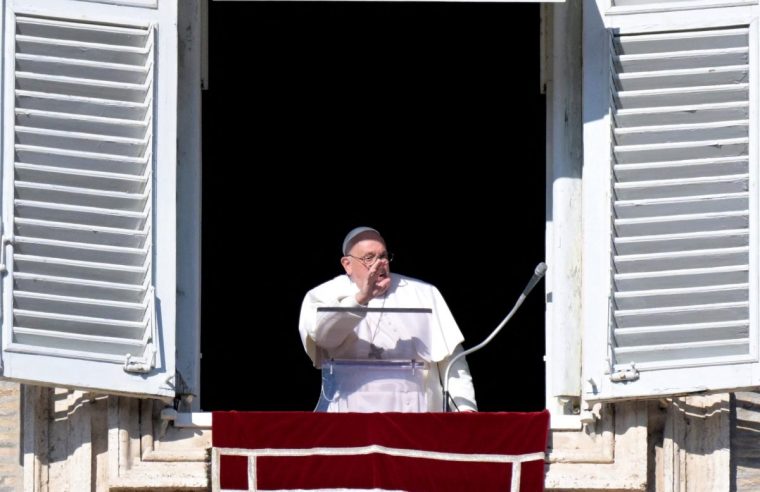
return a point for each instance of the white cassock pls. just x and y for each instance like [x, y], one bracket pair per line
[410, 322]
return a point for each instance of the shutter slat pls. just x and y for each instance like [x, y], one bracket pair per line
[680, 297]
[93, 216]
[82, 69]
[681, 96]
[684, 352]
[81, 251]
[653, 171]
[674, 279]
[681, 223]
[70, 178]
[679, 315]
[84, 197]
[82, 105]
[78, 342]
[717, 130]
[681, 241]
[689, 114]
[53, 42]
[81, 87]
[84, 142]
[81, 123]
[81, 32]
[81, 50]
[92, 308]
[703, 149]
[66, 231]
[673, 60]
[686, 345]
[71, 287]
[681, 260]
[679, 187]
[691, 77]
[59, 267]
[74, 159]
[681, 41]
[66, 324]
[627, 209]
[693, 332]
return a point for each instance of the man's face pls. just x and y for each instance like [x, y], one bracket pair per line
[369, 252]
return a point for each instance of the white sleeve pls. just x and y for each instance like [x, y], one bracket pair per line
[332, 327]
[461, 390]
[326, 329]
[445, 334]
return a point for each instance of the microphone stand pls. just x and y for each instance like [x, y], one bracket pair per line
[537, 275]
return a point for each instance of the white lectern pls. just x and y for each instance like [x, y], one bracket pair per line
[373, 385]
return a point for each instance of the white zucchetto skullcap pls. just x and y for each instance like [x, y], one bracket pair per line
[353, 233]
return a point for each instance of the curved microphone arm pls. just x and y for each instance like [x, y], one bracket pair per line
[537, 275]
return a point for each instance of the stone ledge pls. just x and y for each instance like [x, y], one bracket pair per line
[621, 465]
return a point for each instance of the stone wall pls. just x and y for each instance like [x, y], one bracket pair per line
[11, 478]
[76, 441]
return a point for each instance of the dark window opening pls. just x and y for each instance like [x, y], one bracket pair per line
[423, 120]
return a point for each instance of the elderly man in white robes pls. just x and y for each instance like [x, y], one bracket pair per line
[382, 340]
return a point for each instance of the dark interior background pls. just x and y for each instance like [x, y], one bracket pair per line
[423, 120]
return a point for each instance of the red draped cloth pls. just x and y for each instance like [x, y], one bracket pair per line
[414, 452]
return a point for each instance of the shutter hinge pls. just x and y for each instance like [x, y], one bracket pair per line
[141, 365]
[147, 362]
[4, 241]
[629, 373]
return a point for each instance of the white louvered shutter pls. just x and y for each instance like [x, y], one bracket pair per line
[88, 296]
[680, 312]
